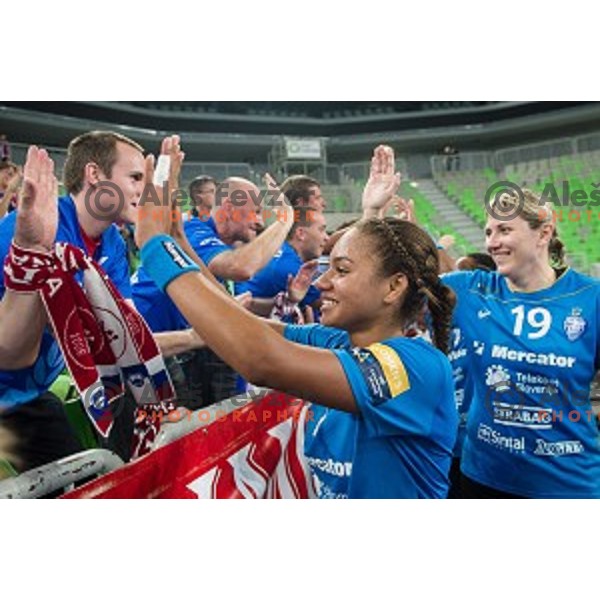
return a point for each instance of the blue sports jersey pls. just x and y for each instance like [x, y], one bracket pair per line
[400, 444]
[25, 385]
[157, 308]
[329, 443]
[273, 279]
[460, 355]
[532, 356]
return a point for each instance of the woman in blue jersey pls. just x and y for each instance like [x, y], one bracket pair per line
[533, 344]
[398, 391]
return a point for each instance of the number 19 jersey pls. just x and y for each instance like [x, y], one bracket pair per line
[529, 361]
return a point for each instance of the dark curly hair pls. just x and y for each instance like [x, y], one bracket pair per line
[402, 247]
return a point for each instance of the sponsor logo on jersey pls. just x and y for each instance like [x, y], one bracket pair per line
[566, 448]
[458, 375]
[538, 385]
[490, 436]
[498, 378]
[478, 348]
[330, 466]
[575, 325]
[484, 314]
[533, 358]
[530, 417]
[324, 492]
[456, 352]
[459, 399]
[456, 337]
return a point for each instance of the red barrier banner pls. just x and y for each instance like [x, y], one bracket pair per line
[253, 452]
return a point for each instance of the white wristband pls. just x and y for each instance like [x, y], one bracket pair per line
[163, 166]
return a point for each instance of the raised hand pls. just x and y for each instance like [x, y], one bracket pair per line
[403, 209]
[245, 300]
[14, 183]
[383, 181]
[283, 208]
[37, 209]
[298, 286]
[154, 215]
[446, 242]
[162, 217]
[171, 147]
[308, 315]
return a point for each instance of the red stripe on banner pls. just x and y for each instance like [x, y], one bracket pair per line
[254, 452]
[293, 468]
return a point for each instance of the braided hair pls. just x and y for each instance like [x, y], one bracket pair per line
[402, 247]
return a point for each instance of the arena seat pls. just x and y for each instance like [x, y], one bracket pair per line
[576, 226]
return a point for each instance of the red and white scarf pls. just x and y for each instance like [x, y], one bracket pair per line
[102, 338]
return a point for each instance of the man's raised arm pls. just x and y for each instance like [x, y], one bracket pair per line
[243, 263]
[22, 315]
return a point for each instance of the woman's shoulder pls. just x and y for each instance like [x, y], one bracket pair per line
[570, 276]
[467, 280]
[417, 353]
[409, 366]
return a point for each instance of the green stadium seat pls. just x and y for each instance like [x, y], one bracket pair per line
[65, 390]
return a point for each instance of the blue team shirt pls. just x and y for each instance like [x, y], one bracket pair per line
[460, 355]
[25, 385]
[157, 308]
[530, 359]
[273, 279]
[400, 444]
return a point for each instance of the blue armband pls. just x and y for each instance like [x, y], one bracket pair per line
[165, 261]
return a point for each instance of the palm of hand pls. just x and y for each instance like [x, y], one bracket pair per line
[378, 190]
[383, 180]
[150, 218]
[298, 286]
[37, 216]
